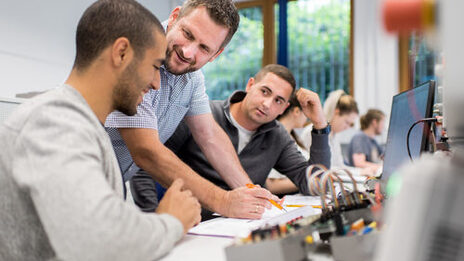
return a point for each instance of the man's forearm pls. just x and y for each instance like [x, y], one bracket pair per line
[320, 151]
[151, 155]
[221, 154]
[359, 161]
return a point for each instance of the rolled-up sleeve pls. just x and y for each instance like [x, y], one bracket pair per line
[199, 104]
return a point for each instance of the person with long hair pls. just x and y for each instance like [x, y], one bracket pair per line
[341, 110]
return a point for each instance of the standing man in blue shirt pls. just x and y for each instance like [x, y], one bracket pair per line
[196, 34]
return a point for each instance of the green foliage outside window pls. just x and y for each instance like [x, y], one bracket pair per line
[319, 33]
[318, 48]
[240, 60]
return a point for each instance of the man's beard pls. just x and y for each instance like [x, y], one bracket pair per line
[124, 100]
[170, 69]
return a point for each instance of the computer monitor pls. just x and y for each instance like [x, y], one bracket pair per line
[407, 108]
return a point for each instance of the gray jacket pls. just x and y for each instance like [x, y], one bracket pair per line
[270, 147]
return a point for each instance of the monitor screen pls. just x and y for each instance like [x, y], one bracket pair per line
[407, 108]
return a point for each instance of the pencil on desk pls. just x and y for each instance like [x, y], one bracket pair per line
[277, 205]
[295, 206]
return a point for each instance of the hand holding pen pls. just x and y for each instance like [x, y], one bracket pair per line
[244, 202]
[273, 202]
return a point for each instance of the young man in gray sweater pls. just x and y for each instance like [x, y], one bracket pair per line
[61, 190]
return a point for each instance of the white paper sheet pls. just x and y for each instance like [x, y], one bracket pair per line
[226, 227]
[301, 200]
[234, 227]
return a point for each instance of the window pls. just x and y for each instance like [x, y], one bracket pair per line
[422, 59]
[318, 47]
[318, 44]
[241, 58]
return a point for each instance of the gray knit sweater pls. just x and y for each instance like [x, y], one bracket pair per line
[61, 194]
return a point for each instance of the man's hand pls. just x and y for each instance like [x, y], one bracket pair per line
[246, 202]
[181, 204]
[312, 108]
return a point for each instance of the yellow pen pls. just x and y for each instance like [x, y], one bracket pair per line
[277, 205]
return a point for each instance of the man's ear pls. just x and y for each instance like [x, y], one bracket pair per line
[121, 52]
[250, 83]
[173, 17]
[216, 55]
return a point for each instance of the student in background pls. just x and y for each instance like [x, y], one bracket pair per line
[61, 188]
[261, 142]
[341, 110]
[292, 118]
[364, 151]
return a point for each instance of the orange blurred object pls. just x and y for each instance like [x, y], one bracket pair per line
[408, 15]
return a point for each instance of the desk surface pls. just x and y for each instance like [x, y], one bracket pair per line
[199, 248]
[204, 248]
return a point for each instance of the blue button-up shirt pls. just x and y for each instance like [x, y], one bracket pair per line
[161, 110]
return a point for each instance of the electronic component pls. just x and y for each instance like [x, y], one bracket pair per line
[351, 213]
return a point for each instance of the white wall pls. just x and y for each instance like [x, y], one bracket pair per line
[375, 59]
[37, 41]
[37, 47]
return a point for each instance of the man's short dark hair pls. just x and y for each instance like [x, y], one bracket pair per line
[107, 20]
[369, 117]
[222, 12]
[279, 70]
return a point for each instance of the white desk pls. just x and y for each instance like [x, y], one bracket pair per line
[199, 248]
[205, 248]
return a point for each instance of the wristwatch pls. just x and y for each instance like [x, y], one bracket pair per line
[325, 130]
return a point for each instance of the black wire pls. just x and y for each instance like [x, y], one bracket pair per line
[410, 129]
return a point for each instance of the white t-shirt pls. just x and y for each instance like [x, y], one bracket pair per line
[244, 135]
